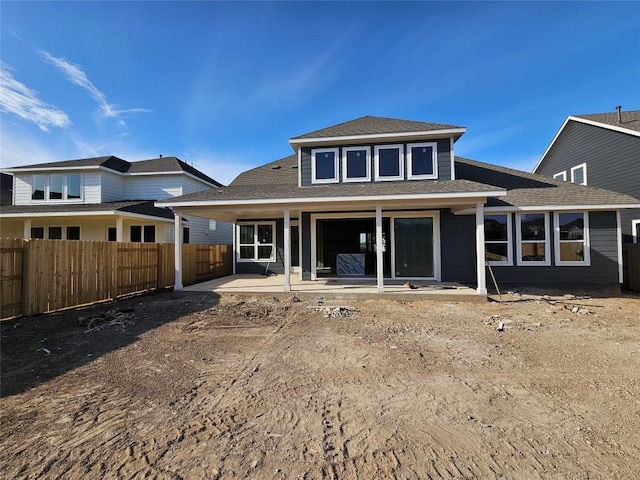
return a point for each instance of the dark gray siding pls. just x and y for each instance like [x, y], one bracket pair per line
[444, 161]
[260, 267]
[612, 158]
[604, 260]
[458, 247]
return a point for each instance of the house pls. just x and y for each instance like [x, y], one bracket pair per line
[106, 198]
[601, 150]
[387, 199]
[6, 189]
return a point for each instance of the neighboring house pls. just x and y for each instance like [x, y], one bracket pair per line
[106, 198]
[387, 199]
[600, 150]
[6, 189]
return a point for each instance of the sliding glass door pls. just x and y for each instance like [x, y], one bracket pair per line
[413, 247]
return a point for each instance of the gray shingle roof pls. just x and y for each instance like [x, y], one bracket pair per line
[630, 119]
[114, 163]
[532, 190]
[283, 171]
[369, 125]
[141, 207]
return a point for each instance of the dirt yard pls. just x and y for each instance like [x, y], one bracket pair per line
[189, 386]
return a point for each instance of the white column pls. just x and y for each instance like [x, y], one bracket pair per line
[177, 241]
[234, 246]
[287, 250]
[27, 228]
[379, 252]
[619, 240]
[119, 229]
[480, 254]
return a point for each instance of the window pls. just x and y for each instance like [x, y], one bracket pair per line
[135, 233]
[422, 161]
[57, 186]
[256, 242]
[145, 234]
[497, 237]
[185, 234]
[533, 239]
[635, 230]
[562, 176]
[324, 165]
[37, 232]
[356, 164]
[389, 160]
[572, 238]
[73, 233]
[579, 174]
[55, 233]
[149, 233]
[112, 234]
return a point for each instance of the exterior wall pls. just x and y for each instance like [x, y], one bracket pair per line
[444, 161]
[612, 158]
[260, 267]
[152, 187]
[91, 187]
[458, 247]
[200, 231]
[11, 228]
[190, 185]
[22, 189]
[112, 187]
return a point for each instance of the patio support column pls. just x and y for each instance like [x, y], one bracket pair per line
[287, 250]
[177, 242]
[119, 229]
[27, 228]
[233, 246]
[379, 252]
[619, 241]
[480, 254]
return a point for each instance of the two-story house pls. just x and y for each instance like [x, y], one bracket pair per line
[387, 199]
[602, 150]
[106, 198]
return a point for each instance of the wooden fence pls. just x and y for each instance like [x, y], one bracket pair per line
[631, 262]
[38, 276]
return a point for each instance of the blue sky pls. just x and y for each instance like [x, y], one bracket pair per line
[223, 86]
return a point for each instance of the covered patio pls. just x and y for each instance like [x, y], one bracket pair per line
[336, 289]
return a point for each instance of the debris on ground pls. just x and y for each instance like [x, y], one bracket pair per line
[118, 319]
[335, 311]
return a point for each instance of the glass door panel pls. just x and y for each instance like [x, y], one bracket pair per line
[413, 245]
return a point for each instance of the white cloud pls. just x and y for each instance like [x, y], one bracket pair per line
[18, 99]
[76, 75]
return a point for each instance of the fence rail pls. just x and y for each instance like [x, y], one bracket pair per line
[38, 276]
[631, 263]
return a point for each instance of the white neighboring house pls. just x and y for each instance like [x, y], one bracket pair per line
[107, 198]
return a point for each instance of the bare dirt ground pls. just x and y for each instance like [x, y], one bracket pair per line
[189, 386]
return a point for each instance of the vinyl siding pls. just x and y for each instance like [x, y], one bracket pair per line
[199, 231]
[443, 161]
[112, 187]
[153, 187]
[612, 158]
[190, 185]
[22, 189]
[91, 186]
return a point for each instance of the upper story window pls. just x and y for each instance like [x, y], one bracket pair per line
[533, 239]
[324, 165]
[422, 161]
[562, 176]
[356, 164]
[389, 160]
[572, 238]
[56, 186]
[579, 174]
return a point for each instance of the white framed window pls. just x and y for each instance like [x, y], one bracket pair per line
[635, 230]
[256, 242]
[142, 233]
[389, 162]
[56, 187]
[498, 249]
[324, 165]
[532, 236]
[562, 176]
[572, 238]
[579, 174]
[356, 164]
[422, 161]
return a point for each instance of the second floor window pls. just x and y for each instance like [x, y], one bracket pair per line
[422, 161]
[324, 165]
[579, 174]
[56, 186]
[389, 160]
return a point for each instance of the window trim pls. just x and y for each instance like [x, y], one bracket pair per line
[65, 188]
[255, 243]
[519, 242]
[336, 165]
[577, 167]
[376, 158]
[586, 262]
[634, 230]
[434, 161]
[509, 261]
[562, 174]
[345, 177]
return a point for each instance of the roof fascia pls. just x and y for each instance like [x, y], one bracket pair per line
[538, 208]
[586, 122]
[359, 198]
[100, 213]
[50, 169]
[377, 136]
